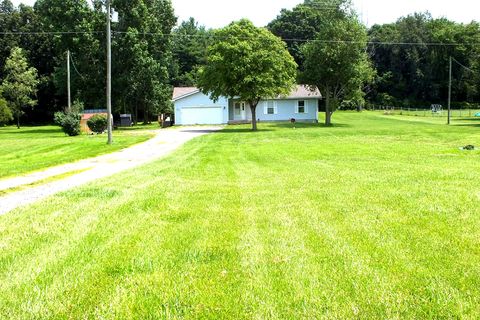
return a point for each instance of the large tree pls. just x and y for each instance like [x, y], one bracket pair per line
[23, 27]
[20, 83]
[336, 62]
[80, 30]
[190, 42]
[143, 56]
[301, 24]
[248, 63]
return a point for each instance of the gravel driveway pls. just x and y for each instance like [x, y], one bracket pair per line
[162, 144]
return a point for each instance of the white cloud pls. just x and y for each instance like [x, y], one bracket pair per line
[218, 13]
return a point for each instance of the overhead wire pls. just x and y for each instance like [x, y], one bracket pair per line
[460, 64]
[48, 32]
[319, 40]
[326, 41]
[75, 67]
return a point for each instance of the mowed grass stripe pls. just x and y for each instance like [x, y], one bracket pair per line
[147, 201]
[362, 220]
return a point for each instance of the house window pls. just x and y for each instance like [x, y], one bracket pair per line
[301, 106]
[271, 107]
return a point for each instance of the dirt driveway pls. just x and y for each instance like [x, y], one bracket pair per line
[92, 169]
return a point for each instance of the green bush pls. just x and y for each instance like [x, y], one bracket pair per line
[70, 122]
[5, 112]
[97, 123]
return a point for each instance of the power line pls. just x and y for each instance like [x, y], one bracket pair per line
[316, 40]
[461, 65]
[20, 33]
[75, 67]
[382, 43]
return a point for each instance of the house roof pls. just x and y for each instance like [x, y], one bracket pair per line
[86, 116]
[303, 91]
[299, 92]
[182, 92]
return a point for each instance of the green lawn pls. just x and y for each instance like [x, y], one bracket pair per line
[375, 218]
[34, 148]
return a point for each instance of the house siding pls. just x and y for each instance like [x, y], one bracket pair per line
[285, 110]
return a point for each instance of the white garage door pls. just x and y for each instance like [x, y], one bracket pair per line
[202, 115]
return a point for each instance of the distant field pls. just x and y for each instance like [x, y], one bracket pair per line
[377, 217]
[34, 148]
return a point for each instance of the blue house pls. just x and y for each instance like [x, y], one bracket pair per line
[193, 107]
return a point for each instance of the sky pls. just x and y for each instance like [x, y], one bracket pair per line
[218, 13]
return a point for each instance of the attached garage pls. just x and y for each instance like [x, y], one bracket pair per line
[193, 107]
[201, 115]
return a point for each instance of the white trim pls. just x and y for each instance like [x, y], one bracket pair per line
[265, 107]
[305, 107]
[242, 108]
[186, 95]
[201, 106]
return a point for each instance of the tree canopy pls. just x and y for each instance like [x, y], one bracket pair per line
[415, 66]
[81, 23]
[141, 49]
[304, 21]
[190, 42]
[143, 56]
[247, 63]
[336, 62]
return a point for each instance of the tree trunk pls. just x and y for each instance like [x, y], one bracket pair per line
[328, 113]
[145, 116]
[136, 113]
[253, 108]
[18, 121]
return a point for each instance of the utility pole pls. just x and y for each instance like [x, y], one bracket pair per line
[109, 74]
[69, 104]
[449, 91]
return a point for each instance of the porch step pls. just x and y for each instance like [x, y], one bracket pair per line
[239, 122]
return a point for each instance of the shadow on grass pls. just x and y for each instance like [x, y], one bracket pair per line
[472, 125]
[273, 126]
[300, 125]
[200, 131]
[139, 127]
[243, 130]
[35, 131]
[470, 122]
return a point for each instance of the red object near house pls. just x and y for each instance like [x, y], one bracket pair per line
[86, 116]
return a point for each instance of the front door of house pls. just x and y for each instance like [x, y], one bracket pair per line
[239, 111]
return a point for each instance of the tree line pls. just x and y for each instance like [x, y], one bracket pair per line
[398, 64]
[142, 68]
[410, 56]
